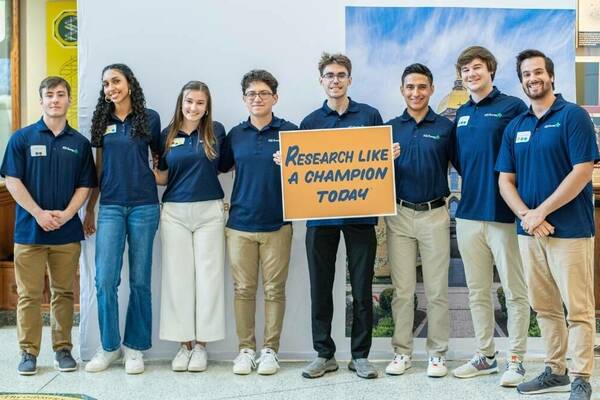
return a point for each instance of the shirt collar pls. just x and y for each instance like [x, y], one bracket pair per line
[42, 127]
[274, 124]
[429, 117]
[491, 96]
[352, 107]
[558, 104]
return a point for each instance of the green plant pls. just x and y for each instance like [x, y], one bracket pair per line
[384, 328]
[534, 329]
[385, 300]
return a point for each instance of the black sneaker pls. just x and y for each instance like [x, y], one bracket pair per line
[64, 361]
[580, 390]
[28, 364]
[546, 382]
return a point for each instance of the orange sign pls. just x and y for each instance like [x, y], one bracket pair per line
[337, 173]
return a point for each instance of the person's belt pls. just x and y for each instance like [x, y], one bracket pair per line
[428, 205]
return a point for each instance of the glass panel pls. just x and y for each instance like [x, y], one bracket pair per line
[5, 77]
[586, 74]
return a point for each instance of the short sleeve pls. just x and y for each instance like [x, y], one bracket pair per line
[162, 146]
[581, 137]
[377, 120]
[226, 160]
[15, 157]
[506, 156]
[87, 176]
[154, 126]
[454, 150]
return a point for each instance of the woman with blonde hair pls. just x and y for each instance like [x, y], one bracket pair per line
[192, 229]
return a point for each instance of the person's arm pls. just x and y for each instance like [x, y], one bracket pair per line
[79, 197]
[508, 191]
[161, 176]
[89, 221]
[19, 192]
[569, 188]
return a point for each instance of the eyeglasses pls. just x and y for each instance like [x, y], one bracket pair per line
[263, 95]
[330, 76]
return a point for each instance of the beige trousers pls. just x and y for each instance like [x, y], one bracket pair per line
[192, 304]
[429, 232]
[269, 252]
[561, 271]
[483, 244]
[30, 271]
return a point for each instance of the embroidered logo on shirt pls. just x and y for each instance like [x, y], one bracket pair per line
[554, 125]
[463, 121]
[436, 137]
[177, 142]
[273, 140]
[74, 151]
[523, 137]
[38, 150]
[495, 115]
[110, 129]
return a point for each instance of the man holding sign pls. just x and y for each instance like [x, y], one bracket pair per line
[422, 222]
[323, 236]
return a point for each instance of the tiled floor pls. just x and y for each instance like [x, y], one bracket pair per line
[159, 382]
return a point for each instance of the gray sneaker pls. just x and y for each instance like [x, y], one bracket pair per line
[580, 390]
[363, 368]
[546, 382]
[28, 364]
[64, 361]
[319, 367]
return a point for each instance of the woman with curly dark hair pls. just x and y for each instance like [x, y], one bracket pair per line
[192, 306]
[122, 130]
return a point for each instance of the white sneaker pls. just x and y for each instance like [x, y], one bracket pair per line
[102, 359]
[399, 364]
[268, 362]
[437, 367]
[134, 361]
[182, 359]
[478, 365]
[244, 363]
[514, 374]
[199, 359]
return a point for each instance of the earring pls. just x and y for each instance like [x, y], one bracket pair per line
[130, 92]
[107, 99]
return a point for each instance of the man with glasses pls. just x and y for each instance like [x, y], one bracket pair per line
[257, 237]
[323, 236]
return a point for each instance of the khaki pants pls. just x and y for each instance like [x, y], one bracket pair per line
[30, 271]
[429, 231]
[192, 303]
[483, 244]
[269, 251]
[561, 271]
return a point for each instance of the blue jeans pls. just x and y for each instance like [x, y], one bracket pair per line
[137, 225]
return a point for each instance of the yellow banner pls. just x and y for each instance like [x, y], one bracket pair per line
[334, 173]
[61, 45]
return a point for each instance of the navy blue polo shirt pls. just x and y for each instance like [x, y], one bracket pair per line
[51, 168]
[478, 135]
[421, 170]
[357, 114]
[256, 197]
[192, 175]
[127, 179]
[542, 152]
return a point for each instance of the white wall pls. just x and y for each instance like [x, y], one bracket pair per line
[217, 41]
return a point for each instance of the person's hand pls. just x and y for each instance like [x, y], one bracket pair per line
[89, 223]
[62, 217]
[396, 150]
[277, 157]
[531, 219]
[543, 229]
[46, 220]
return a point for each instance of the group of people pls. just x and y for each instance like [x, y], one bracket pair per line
[529, 164]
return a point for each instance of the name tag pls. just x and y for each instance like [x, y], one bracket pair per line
[177, 142]
[110, 129]
[463, 121]
[523, 137]
[38, 150]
